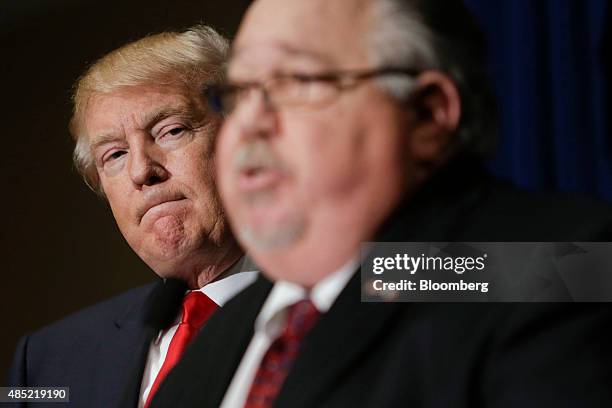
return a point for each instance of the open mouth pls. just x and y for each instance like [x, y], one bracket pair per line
[259, 178]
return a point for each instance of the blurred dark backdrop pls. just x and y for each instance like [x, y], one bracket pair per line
[551, 65]
[550, 62]
[61, 249]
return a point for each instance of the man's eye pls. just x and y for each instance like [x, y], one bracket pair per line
[173, 133]
[301, 78]
[176, 131]
[113, 155]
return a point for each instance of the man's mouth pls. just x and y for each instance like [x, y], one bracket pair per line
[158, 203]
[255, 178]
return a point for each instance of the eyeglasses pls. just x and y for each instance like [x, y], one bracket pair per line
[295, 90]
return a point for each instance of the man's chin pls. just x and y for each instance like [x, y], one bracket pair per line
[267, 238]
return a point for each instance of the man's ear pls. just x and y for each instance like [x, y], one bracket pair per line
[435, 112]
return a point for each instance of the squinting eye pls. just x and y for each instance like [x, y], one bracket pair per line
[114, 155]
[173, 133]
[301, 78]
[177, 130]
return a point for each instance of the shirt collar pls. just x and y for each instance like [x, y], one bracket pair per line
[236, 278]
[223, 290]
[284, 294]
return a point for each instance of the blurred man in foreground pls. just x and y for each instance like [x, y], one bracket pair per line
[144, 141]
[364, 120]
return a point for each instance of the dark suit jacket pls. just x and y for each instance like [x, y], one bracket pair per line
[98, 352]
[432, 354]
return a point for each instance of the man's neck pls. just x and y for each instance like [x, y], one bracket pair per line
[215, 270]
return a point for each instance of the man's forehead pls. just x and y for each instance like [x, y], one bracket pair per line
[276, 55]
[333, 9]
[309, 30]
[140, 107]
[139, 97]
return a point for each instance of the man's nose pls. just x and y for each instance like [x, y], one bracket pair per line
[255, 116]
[146, 166]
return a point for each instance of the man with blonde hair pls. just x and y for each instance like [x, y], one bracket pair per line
[144, 141]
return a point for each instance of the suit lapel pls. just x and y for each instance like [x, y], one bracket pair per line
[340, 338]
[133, 338]
[240, 322]
[137, 342]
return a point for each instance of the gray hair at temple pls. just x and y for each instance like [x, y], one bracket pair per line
[187, 59]
[440, 35]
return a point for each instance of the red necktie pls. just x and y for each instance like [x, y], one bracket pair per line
[197, 308]
[279, 358]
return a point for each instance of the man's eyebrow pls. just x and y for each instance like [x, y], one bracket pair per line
[103, 139]
[150, 119]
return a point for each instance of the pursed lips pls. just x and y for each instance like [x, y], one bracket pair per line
[155, 200]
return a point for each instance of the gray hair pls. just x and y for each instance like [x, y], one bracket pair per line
[187, 59]
[439, 35]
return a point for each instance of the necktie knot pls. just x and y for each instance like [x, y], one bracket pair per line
[301, 316]
[197, 308]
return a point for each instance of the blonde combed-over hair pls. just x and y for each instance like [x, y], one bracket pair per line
[187, 59]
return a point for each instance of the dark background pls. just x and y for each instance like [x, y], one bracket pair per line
[549, 62]
[61, 249]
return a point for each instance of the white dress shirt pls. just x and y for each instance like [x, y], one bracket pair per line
[270, 322]
[219, 292]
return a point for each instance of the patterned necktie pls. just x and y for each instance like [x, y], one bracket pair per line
[197, 308]
[279, 358]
